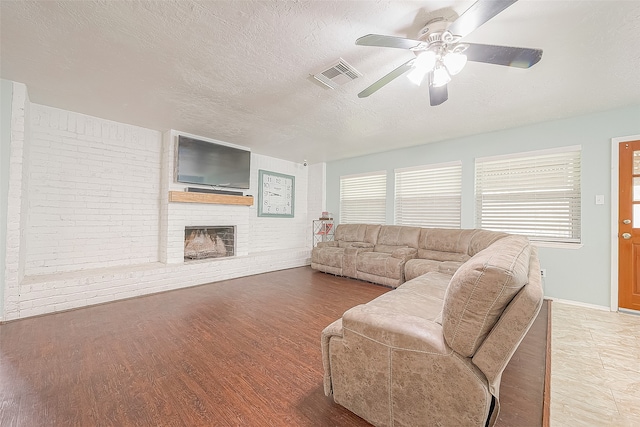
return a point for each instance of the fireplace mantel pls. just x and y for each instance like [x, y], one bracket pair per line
[220, 199]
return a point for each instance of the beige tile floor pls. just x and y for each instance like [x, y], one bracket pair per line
[595, 367]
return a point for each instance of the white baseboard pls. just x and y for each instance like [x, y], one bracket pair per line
[579, 304]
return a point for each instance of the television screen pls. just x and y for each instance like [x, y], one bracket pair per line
[201, 162]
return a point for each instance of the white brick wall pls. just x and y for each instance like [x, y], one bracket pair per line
[17, 202]
[280, 233]
[316, 200]
[46, 294]
[89, 220]
[93, 193]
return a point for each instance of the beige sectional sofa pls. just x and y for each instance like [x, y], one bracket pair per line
[390, 254]
[384, 263]
[432, 351]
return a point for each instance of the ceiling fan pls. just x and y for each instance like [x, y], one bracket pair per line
[440, 54]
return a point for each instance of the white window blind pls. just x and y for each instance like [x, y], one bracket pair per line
[535, 194]
[363, 198]
[429, 196]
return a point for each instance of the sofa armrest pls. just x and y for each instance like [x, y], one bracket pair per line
[404, 253]
[361, 245]
[449, 267]
[349, 259]
[329, 244]
[396, 329]
[333, 330]
[355, 250]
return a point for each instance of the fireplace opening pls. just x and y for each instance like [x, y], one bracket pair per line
[209, 242]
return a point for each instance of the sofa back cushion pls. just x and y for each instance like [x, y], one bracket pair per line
[443, 244]
[363, 233]
[516, 319]
[397, 236]
[480, 290]
[482, 239]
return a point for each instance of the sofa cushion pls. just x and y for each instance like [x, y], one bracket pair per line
[482, 239]
[421, 297]
[417, 267]
[449, 267]
[346, 244]
[399, 236]
[431, 284]
[363, 233]
[481, 289]
[444, 244]
[330, 256]
[388, 249]
[442, 256]
[380, 264]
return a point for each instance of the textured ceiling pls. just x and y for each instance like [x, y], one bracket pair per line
[239, 71]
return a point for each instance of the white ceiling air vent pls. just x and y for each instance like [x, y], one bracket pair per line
[337, 74]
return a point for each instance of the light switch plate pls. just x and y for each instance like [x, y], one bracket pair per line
[600, 199]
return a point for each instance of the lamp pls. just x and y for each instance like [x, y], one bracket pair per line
[423, 64]
[455, 62]
[440, 76]
[416, 76]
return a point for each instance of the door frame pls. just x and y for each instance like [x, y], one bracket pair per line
[615, 189]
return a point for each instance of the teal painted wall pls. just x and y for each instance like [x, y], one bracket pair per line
[582, 274]
[6, 95]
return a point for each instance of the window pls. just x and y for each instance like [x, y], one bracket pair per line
[536, 194]
[363, 198]
[429, 196]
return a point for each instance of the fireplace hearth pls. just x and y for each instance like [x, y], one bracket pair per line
[209, 242]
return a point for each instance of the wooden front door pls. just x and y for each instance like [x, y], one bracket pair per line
[629, 227]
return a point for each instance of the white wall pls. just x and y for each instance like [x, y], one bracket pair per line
[89, 221]
[317, 190]
[93, 193]
[6, 96]
[17, 201]
[267, 233]
[581, 275]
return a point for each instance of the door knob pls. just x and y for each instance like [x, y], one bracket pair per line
[626, 221]
[626, 235]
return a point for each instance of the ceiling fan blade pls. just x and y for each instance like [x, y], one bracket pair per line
[521, 57]
[388, 41]
[386, 79]
[437, 95]
[479, 13]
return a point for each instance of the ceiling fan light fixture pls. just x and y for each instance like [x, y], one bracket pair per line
[454, 62]
[442, 39]
[440, 77]
[426, 60]
[416, 76]
[423, 64]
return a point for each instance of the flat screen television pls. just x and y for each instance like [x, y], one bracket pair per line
[202, 162]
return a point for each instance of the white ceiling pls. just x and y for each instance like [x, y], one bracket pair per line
[239, 71]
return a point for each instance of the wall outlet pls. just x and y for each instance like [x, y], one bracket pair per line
[543, 272]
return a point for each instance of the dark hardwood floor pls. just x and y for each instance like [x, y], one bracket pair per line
[242, 352]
